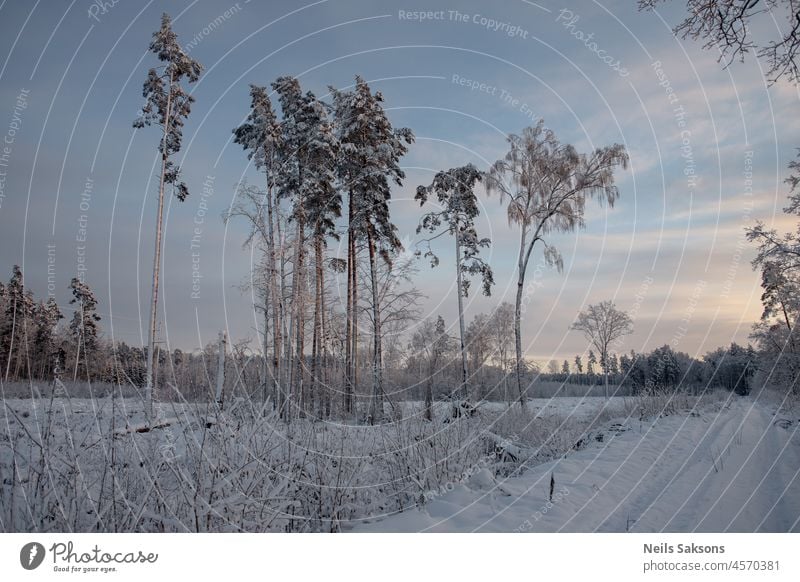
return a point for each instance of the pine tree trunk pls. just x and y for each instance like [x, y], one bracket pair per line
[219, 394]
[265, 346]
[276, 305]
[285, 329]
[429, 392]
[326, 390]
[13, 335]
[459, 281]
[348, 341]
[148, 392]
[376, 403]
[298, 283]
[354, 350]
[316, 356]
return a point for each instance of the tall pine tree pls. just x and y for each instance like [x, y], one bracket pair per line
[369, 162]
[167, 104]
[83, 327]
[308, 156]
[455, 194]
[260, 136]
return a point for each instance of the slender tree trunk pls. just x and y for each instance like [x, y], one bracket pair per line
[355, 331]
[325, 405]
[463, 392]
[270, 386]
[148, 392]
[429, 394]
[518, 336]
[525, 250]
[354, 356]
[349, 326]
[11, 341]
[284, 369]
[276, 303]
[316, 356]
[298, 282]
[376, 403]
[219, 394]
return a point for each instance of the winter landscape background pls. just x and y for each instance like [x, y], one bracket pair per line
[352, 266]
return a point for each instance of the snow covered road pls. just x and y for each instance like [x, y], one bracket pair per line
[732, 469]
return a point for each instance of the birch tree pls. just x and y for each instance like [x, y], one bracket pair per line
[546, 184]
[167, 105]
[603, 325]
[431, 343]
[731, 29]
[454, 190]
[501, 330]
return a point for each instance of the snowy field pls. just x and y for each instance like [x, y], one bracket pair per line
[675, 463]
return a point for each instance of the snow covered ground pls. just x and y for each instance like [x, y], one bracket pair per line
[732, 469]
[671, 462]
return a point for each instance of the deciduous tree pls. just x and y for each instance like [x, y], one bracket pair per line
[546, 185]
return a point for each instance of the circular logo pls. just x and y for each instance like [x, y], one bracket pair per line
[31, 555]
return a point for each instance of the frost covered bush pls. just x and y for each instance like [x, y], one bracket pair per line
[94, 465]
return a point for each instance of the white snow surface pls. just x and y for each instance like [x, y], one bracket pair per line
[734, 469]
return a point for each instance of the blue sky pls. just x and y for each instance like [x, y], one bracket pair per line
[671, 250]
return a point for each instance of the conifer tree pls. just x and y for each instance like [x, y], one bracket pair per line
[455, 194]
[260, 136]
[167, 105]
[370, 152]
[83, 326]
[46, 317]
[308, 156]
[19, 309]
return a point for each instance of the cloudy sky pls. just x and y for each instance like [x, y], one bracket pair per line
[708, 153]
